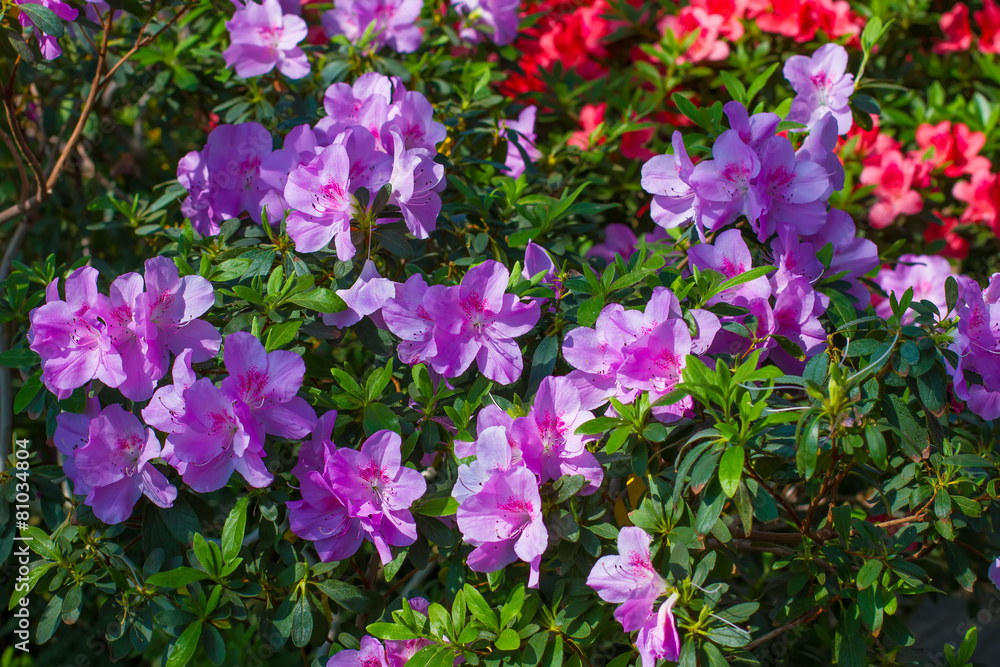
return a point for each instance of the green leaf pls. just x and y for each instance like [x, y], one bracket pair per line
[27, 393]
[181, 576]
[950, 293]
[19, 357]
[849, 647]
[379, 417]
[731, 470]
[512, 607]
[479, 608]
[302, 621]
[279, 335]
[391, 631]
[321, 300]
[808, 450]
[598, 425]
[44, 18]
[438, 507]
[23, 588]
[234, 529]
[347, 596]
[185, 646]
[869, 573]
[876, 445]
[508, 640]
[746, 277]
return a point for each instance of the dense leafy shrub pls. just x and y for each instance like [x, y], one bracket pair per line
[376, 333]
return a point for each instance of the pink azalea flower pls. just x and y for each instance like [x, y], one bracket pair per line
[730, 256]
[477, 321]
[72, 337]
[724, 183]
[977, 344]
[503, 521]
[957, 33]
[822, 86]
[371, 654]
[73, 432]
[364, 298]
[497, 19]
[493, 452]
[706, 45]
[115, 466]
[618, 239]
[322, 516]
[893, 180]
[394, 22]
[48, 44]
[658, 637]
[524, 128]
[988, 21]
[791, 191]
[956, 148]
[982, 198]
[925, 274]
[398, 652]
[668, 179]
[263, 37]
[406, 317]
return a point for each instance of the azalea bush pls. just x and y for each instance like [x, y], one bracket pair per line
[384, 333]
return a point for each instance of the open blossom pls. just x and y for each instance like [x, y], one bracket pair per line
[393, 22]
[378, 491]
[223, 428]
[547, 435]
[724, 183]
[48, 44]
[791, 191]
[955, 26]
[364, 298]
[667, 178]
[988, 22]
[524, 129]
[893, 180]
[370, 654]
[943, 228]
[801, 19]
[981, 196]
[658, 637]
[925, 274]
[263, 37]
[503, 521]
[795, 317]
[322, 516]
[73, 432]
[822, 85]
[416, 181]
[977, 344]
[477, 321]
[222, 179]
[498, 19]
[730, 256]
[72, 338]
[115, 466]
[707, 44]
[956, 147]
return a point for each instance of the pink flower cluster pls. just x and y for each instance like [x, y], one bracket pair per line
[500, 508]
[958, 34]
[376, 134]
[631, 581]
[392, 22]
[263, 37]
[124, 339]
[349, 496]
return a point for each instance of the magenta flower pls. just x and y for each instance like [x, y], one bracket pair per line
[503, 521]
[365, 297]
[167, 407]
[795, 317]
[300, 147]
[371, 654]
[822, 87]
[379, 490]
[536, 260]
[655, 362]
[367, 103]
[851, 254]
[489, 416]
[413, 115]
[978, 346]
[667, 178]
[658, 637]
[72, 336]
[406, 317]
[820, 146]
[730, 256]
[312, 452]
[499, 19]
[394, 22]
[416, 181]
[321, 516]
[48, 44]
[524, 129]
[493, 454]
[398, 652]
[115, 466]
[790, 191]
[547, 435]
[73, 432]
[994, 572]
[724, 183]
[320, 194]
[629, 579]
[478, 321]
[618, 240]
[262, 38]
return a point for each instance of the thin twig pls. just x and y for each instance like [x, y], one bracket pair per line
[18, 162]
[805, 618]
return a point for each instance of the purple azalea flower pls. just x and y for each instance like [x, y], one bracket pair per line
[416, 181]
[655, 363]
[413, 115]
[754, 130]
[406, 317]
[320, 195]
[822, 87]
[365, 297]
[730, 256]
[321, 516]
[820, 146]
[524, 129]
[978, 346]
[667, 178]
[489, 416]
[795, 318]
[73, 432]
[547, 435]
[379, 491]
[366, 103]
[629, 579]
[167, 406]
[478, 321]
[263, 37]
[853, 256]
[503, 521]
[790, 191]
[658, 637]
[371, 654]
[300, 147]
[72, 338]
[724, 184]
[794, 258]
[394, 22]
[493, 454]
[115, 466]
[311, 453]
[536, 260]
[926, 274]
[597, 354]
[224, 427]
[994, 572]
[48, 44]
[500, 18]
